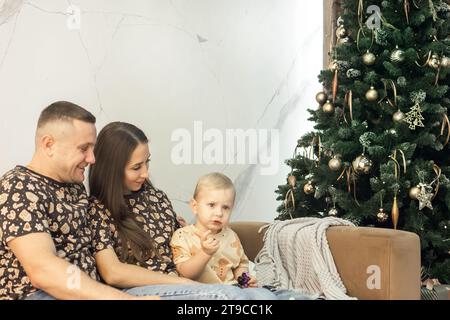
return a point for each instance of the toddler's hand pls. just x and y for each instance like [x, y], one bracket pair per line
[209, 244]
[252, 283]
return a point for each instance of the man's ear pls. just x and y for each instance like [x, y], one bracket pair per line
[193, 205]
[48, 144]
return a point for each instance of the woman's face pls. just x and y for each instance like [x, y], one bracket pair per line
[136, 170]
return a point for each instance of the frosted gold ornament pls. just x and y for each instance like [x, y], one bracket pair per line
[362, 164]
[381, 215]
[414, 192]
[328, 153]
[434, 61]
[321, 98]
[333, 65]
[341, 32]
[333, 212]
[328, 107]
[353, 73]
[445, 62]
[398, 116]
[309, 188]
[343, 40]
[368, 58]
[397, 55]
[335, 164]
[372, 94]
[395, 212]
[292, 180]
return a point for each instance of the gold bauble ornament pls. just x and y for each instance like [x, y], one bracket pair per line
[372, 94]
[321, 97]
[362, 164]
[335, 164]
[333, 212]
[445, 62]
[292, 180]
[381, 215]
[398, 116]
[333, 66]
[309, 188]
[434, 61]
[341, 32]
[414, 192]
[368, 58]
[397, 55]
[328, 107]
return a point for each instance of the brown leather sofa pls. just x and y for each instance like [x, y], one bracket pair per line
[357, 253]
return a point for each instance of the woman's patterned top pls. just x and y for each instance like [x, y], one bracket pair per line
[154, 214]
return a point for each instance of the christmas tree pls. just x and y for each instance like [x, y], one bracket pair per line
[379, 154]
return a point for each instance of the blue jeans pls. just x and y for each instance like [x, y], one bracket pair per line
[202, 292]
[188, 292]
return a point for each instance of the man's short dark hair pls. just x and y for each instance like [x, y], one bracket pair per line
[66, 111]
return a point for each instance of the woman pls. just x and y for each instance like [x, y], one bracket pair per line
[133, 223]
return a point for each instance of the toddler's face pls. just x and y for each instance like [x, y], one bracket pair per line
[213, 208]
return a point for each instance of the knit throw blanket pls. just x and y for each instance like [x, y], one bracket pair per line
[296, 256]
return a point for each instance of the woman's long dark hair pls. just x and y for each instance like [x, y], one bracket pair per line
[115, 144]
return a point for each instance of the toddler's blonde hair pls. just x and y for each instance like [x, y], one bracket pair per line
[214, 180]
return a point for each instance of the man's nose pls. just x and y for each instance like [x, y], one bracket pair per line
[90, 158]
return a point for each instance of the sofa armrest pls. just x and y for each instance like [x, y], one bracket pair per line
[374, 263]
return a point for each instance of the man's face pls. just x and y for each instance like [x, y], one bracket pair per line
[74, 150]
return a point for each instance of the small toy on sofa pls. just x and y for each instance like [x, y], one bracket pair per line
[243, 280]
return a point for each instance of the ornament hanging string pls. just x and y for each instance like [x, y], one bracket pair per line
[426, 62]
[350, 175]
[394, 90]
[381, 199]
[438, 172]
[429, 57]
[445, 124]
[361, 14]
[397, 167]
[395, 211]
[358, 36]
[437, 75]
[348, 101]
[289, 197]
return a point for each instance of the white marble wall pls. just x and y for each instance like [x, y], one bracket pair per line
[163, 64]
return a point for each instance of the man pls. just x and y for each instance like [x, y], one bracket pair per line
[44, 240]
